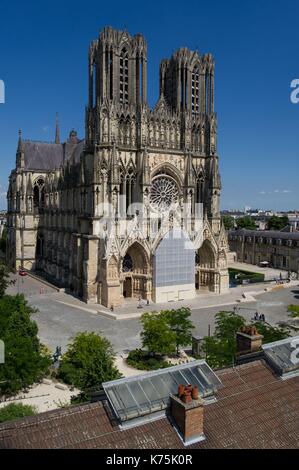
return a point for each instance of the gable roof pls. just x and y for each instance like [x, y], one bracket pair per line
[47, 156]
[42, 155]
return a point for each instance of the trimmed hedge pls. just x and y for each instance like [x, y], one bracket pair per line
[141, 360]
[294, 309]
[245, 275]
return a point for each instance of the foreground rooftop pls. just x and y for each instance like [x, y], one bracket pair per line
[255, 408]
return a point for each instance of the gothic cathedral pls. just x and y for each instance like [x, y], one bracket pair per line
[132, 210]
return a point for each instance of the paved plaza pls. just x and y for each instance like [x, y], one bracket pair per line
[61, 316]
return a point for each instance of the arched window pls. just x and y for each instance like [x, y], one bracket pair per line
[199, 189]
[124, 76]
[195, 90]
[94, 84]
[39, 246]
[111, 74]
[130, 183]
[208, 92]
[42, 197]
[127, 186]
[36, 196]
[39, 193]
[195, 138]
[127, 263]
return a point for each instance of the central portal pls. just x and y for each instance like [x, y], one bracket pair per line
[174, 268]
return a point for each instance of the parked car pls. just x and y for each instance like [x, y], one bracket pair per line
[22, 272]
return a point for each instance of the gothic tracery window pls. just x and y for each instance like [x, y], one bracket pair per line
[124, 76]
[39, 193]
[164, 192]
[127, 186]
[130, 182]
[127, 264]
[195, 90]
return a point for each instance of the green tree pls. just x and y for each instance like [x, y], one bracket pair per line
[246, 222]
[157, 336]
[88, 361]
[277, 223]
[25, 359]
[16, 411]
[218, 353]
[271, 333]
[228, 222]
[221, 348]
[5, 280]
[180, 324]
[227, 324]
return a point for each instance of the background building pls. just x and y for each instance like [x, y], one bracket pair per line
[70, 212]
[279, 249]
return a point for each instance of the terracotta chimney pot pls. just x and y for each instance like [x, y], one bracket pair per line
[194, 393]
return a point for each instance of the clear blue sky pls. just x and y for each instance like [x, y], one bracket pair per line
[43, 62]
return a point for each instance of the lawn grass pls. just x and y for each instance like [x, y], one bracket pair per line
[245, 275]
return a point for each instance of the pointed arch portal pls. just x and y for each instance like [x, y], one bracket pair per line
[205, 271]
[135, 270]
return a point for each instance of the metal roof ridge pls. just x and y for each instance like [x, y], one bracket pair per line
[40, 142]
[154, 373]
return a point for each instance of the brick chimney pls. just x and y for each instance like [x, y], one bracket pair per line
[187, 412]
[248, 340]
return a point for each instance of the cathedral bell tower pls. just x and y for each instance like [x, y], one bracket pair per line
[187, 82]
[117, 66]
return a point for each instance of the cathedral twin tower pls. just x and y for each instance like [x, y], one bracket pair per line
[133, 209]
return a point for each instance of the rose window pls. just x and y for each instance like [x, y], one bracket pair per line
[164, 192]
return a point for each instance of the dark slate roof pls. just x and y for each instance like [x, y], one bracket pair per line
[42, 155]
[254, 409]
[46, 156]
[266, 234]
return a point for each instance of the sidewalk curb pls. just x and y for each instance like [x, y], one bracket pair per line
[43, 281]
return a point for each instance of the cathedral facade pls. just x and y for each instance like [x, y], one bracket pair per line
[131, 210]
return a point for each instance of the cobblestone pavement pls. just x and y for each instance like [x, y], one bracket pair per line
[60, 316]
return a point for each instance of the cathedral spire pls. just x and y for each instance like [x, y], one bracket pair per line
[57, 132]
[20, 141]
[20, 152]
